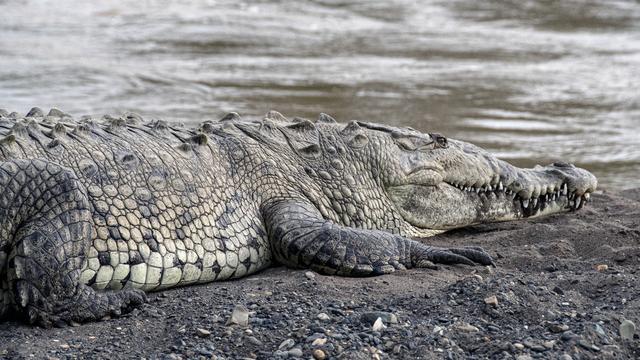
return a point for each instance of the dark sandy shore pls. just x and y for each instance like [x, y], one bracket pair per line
[551, 301]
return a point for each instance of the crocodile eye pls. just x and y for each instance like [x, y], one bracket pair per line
[439, 140]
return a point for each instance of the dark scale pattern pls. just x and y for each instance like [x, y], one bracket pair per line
[123, 204]
[45, 230]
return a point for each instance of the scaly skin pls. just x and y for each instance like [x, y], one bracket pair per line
[93, 212]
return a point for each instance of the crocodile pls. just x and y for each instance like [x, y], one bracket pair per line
[96, 212]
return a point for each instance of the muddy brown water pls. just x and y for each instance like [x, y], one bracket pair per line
[532, 81]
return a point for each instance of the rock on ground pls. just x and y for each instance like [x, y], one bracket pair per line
[551, 301]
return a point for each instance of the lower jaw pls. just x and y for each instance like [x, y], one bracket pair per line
[505, 207]
[434, 208]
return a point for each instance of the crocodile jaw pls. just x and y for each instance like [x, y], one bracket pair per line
[522, 193]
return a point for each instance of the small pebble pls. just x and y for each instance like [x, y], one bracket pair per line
[323, 317]
[567, 335]
[203, 332]
[297, 352]
[602, 267]
[464, 327]
[286, 344]
[538, 348]
[558, 328]
[437, 330]
[253, 340]
[318, 354]
[491, 300]
[319, 342]
[371, 317]
[378, 325]
[518, 346]
[310, 275]
[587, 345]
[599, 330]
[627, 329]
[239, 316]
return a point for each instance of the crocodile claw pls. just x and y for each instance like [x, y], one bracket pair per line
[465, 255]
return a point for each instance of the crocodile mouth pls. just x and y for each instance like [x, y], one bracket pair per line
[449, 205]
[556, 197]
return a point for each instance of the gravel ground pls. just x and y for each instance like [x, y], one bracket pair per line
[564, 287]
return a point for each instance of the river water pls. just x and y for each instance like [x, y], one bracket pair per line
[532, 81]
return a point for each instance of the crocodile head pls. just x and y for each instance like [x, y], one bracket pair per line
[438, 183]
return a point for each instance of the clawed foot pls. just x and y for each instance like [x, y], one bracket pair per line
[468, 255]
[89, 305]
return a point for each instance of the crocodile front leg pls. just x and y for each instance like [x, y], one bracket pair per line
[45, 228]
[301, 238]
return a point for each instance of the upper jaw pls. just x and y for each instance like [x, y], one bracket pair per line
[537, 191]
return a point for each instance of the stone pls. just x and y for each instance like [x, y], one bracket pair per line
[239, 316]
[464, 327]
[371, 317]
[538, 348]
[323, 317]
[587, 345]
[296, 352]
[203, 332]
[319, 342]
[567, 335]
[310, 275]
[286, 344]
[253, 340]
[518, 346]
[378, 325]
[558, 328]
[599, 330]
[491, 300]
[318, 354]
[602, 267]
[627, 329]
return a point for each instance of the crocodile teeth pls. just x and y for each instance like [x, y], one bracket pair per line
[525, 203]
[587, 196]
[564, 189]
[578, 202]
[534, 202]
[500, 186]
